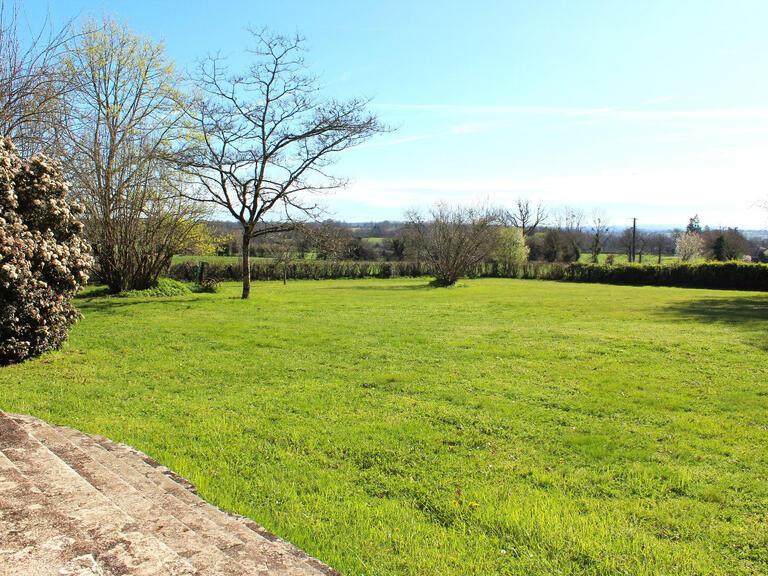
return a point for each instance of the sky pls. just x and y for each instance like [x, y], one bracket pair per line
[656, 110]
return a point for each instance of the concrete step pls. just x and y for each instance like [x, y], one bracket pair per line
[74, 509]
[151, 518]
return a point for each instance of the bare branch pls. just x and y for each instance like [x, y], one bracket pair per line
[262, 139]
[525, 216]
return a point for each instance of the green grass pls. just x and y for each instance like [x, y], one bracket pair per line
[498, 427]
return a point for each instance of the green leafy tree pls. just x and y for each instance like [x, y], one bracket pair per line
[511, 249]
[694, 225]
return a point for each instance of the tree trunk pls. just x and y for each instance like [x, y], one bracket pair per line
[246, 265]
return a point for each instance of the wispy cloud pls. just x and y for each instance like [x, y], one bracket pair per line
[616, 112]
[659, 138]
[457, 130]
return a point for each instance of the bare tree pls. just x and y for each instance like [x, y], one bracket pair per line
[265, 138]
[454, 240]
[632, 242]
[119, 130]
[30, 87]
[600, 230]
[659, 244]
[329, 240]
[283, 250]
[570, 219]
[525, 216]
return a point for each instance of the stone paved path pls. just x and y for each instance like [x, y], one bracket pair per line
[73, 504]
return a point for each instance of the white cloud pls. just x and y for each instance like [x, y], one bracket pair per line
[723, 189]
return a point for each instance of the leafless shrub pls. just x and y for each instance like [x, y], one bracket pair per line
[454, 240]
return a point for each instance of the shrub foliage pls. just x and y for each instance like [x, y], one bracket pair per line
[163, 288]
[43, 258]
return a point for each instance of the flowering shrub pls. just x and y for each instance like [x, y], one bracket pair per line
[43, 258]
[689, 246]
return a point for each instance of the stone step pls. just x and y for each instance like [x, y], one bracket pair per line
[280, 556]
[149, 515]
[260, 555]
[77, 511]
[188, 513]
[33, 540]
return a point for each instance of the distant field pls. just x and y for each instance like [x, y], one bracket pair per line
[218, 259]
[498, 427]
[212, 259]
[178, 259]
[623, 259]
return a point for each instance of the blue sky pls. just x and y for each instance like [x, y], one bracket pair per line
[649, 109]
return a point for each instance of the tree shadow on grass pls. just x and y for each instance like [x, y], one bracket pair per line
[427, 286]
[92, 292]
[105, 304]
[749, 314]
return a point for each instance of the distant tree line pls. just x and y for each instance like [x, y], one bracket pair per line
[153, 153]
[454, 241]
[564, 238]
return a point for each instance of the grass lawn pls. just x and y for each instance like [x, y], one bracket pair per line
[498, 427]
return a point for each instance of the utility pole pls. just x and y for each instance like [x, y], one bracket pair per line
[634, 238]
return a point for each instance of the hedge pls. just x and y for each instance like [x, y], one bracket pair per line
[723, 275]
[300, 270]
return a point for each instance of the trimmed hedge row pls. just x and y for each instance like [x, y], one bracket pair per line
[723, 275]
[300, 270]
